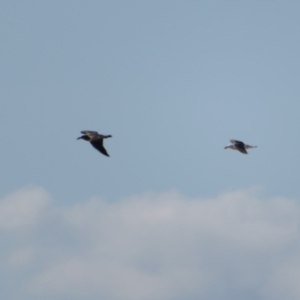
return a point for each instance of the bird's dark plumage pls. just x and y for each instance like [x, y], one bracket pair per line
[98, 144]
[240, 146]
[241, 149]
[95, 139]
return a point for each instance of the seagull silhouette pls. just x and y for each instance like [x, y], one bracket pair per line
[240, 146]
[95, 139]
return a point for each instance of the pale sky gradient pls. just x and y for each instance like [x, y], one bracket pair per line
[172, 82]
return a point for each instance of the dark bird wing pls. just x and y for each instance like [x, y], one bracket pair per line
[241, 148]
[236, 142]
[89, 133]
[98, 144]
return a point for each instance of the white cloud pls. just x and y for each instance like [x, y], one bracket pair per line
[157, 246]
[23, 209]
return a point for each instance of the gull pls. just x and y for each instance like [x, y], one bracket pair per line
[95, 139]
[240, 146]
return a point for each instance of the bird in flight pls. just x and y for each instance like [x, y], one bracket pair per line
[240, 146]
[95, 139]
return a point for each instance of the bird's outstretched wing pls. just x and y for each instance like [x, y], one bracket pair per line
[98, 144]
[241, 148]
[89, 132]
[236, 142]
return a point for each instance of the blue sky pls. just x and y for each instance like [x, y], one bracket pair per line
[172, 82]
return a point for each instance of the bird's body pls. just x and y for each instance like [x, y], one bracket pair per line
[240, 146]
[95, 139]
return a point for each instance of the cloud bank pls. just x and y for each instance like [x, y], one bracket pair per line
[237, 245]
